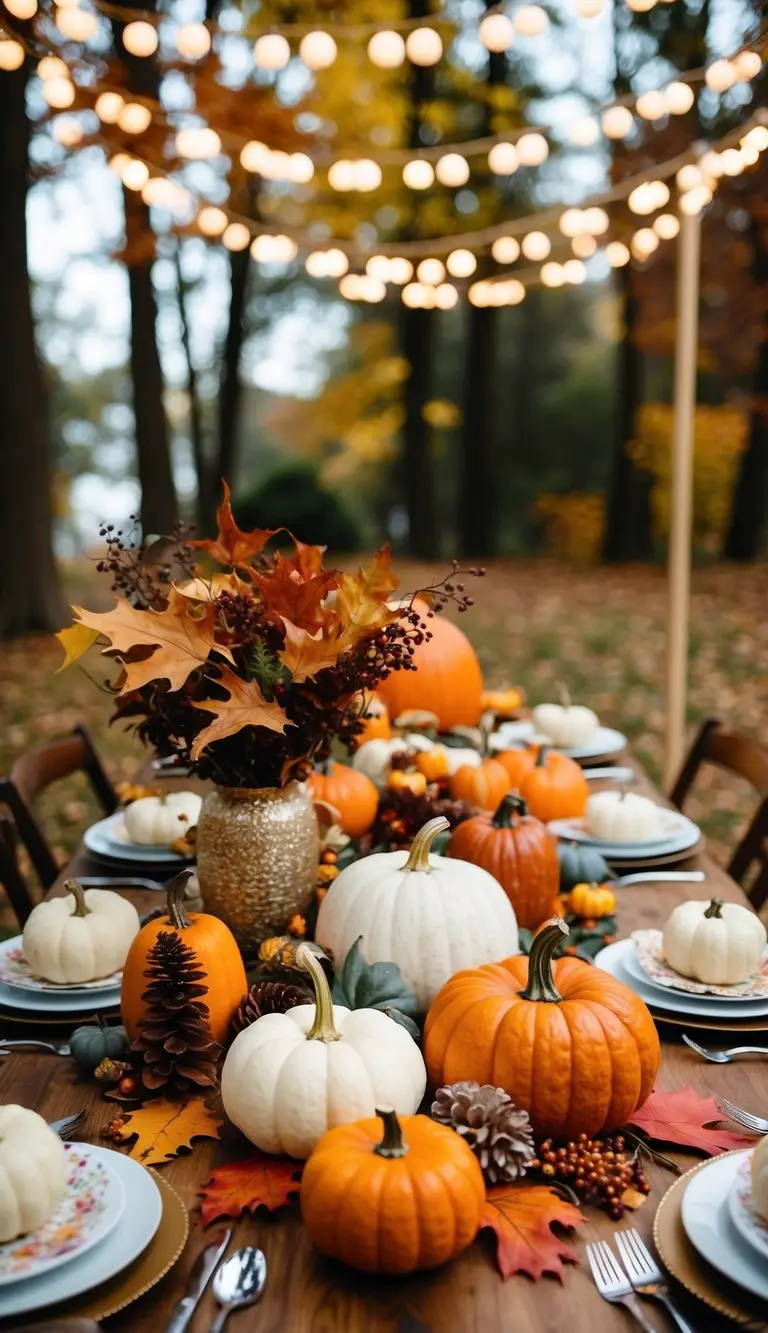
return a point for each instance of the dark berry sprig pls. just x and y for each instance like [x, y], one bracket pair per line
[598, 1170]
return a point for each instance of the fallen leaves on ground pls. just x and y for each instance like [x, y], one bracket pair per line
[245, 707]
[522, 1217]
[681, 1117]
[257, 1182]
[162, 1128]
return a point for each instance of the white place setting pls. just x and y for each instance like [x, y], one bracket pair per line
[722, 1221]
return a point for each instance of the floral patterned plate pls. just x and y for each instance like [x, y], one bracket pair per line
[750, 1224]
[92, 1206]
[649, 957]
[15, 971]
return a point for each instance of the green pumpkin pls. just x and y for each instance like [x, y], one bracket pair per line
[581, 865]
[90, 1045]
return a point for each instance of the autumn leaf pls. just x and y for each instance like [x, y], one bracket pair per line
[256, 1182]
[232, 546]
[361, 599]
[75, 640]
[681, 1117]
[305, 654]
[291, 595]
[522, 1217]
[161, 1128]
[245, 707]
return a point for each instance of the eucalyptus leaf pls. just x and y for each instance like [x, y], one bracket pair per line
[363, 985]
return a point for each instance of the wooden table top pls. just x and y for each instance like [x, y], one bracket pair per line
[306, 1293]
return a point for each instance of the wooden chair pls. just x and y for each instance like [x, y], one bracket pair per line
[36, 770]
[741, 755]
[11, 879]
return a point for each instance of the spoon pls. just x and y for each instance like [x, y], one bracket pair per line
[239, 1282]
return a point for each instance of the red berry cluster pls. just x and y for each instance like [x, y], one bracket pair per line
[598, 1170]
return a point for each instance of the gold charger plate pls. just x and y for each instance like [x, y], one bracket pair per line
[680, 1021]
[67, 1021]
[692, 1272]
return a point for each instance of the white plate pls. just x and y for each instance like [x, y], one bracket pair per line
[603, 741]
[708, 1225]
[633, 964]
[103, 839]
[119, 1249]
[92, 1205]
[15, 972]
[618, 959]
[751, 1226]
[679, 835]
[50, 1002]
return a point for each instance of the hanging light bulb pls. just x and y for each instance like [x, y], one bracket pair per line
[595, 221]
[341, 175]
[589, 9]
[301, 168]
[158, 192]
[530, 20]
[446, 296]
[496, 32]
[695, 200]
[720, 76]
[431, 271]
[413, 295]
[134, 118]
[574, 271]
[461, 263]
[679, 98]
[140, 39]
[336, 263]
[315, 264]
[571, 222]
[536, 245]
[371, 289]
[59, 93]
[552, 275]
[584, 132]
[583, 246]
[424, 46]
[503, 159]
[108, 107]
[135, 175]
[747, 65]
[119, 162]
[349, 287]
[651, 105]
[479, 294]
[731, 162]
[367, 175]
[641, 6]
[77, 24]
[378, 267]
[617, 122]
[193, 41]
[644, 242]
[51, 67]
[515, 291]
[418, 174]
[400, 270]
[318, 50]
[505, 250]
[757, 137]
[711, 165]
[11, 55]
[22, 9]
[666, 226]
[617, 254]
[212, 221]
[271, 51]
[532, 150]
[67, 131]
[689, 176]
[386, 49]
[648, 196]
[452, 170]
[284, 249]
[197, 143]
[749, 155]
[236, 236]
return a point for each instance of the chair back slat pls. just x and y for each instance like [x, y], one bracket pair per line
[10, 876]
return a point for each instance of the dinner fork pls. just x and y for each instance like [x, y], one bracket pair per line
[723, 1057]
[68, 1124]
[756, 1123]
[644, 1273]
[57, 1047]
[613, 1284]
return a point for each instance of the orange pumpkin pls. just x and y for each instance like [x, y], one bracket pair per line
[572, 1046]
[519, 851]
[433, 764]
[504, 703]
[447, 681]
[483, 786]
[217, 953]
[350, 792]
[402, 780]
[425, 1182]
[375, 720]
[551, 784]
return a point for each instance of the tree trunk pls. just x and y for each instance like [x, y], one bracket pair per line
[230, 387]
[628, 510]
[478, 483]
[749, 511]
[30, 598]
[196, 431]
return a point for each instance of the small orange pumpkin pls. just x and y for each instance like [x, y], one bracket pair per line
[519, 851]
[592, 900]
[551, 784]
[217, 953]
[350, 792]
[375, 720]
[426, 1182]
[574, 1047]
[504, 703]
[433, 764]
[402, 780]
[482, 786]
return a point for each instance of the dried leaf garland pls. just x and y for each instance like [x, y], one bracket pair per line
[522, 1217]
[259, 1181]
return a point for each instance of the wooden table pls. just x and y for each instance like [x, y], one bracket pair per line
[308, 1294]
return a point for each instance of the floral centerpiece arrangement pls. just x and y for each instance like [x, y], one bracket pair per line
[247, 673]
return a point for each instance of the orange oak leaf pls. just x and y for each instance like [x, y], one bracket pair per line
[245, 707]
[308, 560]
[361, 600]
[256, 1182]
[305, 654]
[294, 597]
[232, 546]
[161, 1128]
[522, 1217]
[682, 1117]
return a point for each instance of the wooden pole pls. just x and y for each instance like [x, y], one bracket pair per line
[681, 497]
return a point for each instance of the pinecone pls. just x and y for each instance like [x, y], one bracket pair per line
[499, 1135]
[268, 997]
[175, 1046]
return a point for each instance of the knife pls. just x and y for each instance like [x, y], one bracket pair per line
[203, 1269]
[661, 877]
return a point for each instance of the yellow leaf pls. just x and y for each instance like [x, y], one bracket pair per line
[361, 599]
[305, 654]
[162, 1127]
[75, 640]
[245, 707]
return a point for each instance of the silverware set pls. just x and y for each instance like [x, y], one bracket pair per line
[237, 1282]
[756, 1124]
[55, 1047]
[723, 1057]
[636, 1274]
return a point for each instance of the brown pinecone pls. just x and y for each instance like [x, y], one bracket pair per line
[175, 1046]
[268, 997]
[499, 1135]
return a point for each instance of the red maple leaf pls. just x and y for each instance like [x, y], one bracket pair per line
[522, 1217]
[232, 546]
[257, 1182]
[681, 1117]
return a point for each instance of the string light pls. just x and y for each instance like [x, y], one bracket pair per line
[452, 170]
[747, 65]
[446, 296]
[496, 32]
[617, 254]
[617, 122]
[193, 41]
[271, 52]
[731, 162]
[648, 196]
[552, 274]
[77, 24]
[503, 159]
[108, 107]
[679, 98]
[59, 93]
[197, 143]
[51, 67]
[67, 131]
[689, 176]
[536, 245]
[267, 249]
[479, 294]
[571, 222]
[326, 264]
[11, 55]
[378, 267]
[119, 162]
[757, 137]
[666, 226]
[641, 6]
[531, 20]
[515, 291]
[212, 221]
[583, 246]
[431, 271]
[749, 155]
[424, 46]
[595, 221]
[133, 118]
[418, 174]
[644, 242]
[695, 200]
[386, 49]
[372, 290]
[237, 236]
[349, 287]
[413, 296]
[135, 175]
[720, 76]
[711, 165]
[505, 250]
[400, 270]
[574, 271]
[318, 50]
[532, 150]
[461, 263]
[140, 39]
[584, 132]
[651, 105]
[22, 9]
[589, 9]
[158, 192]
[253, 155]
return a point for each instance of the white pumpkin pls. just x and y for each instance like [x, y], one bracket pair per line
[759, 1168]
[289, 1077]
[565, 724]
[81, 937]
[619, 816]
[33, 1172]
[458, 757]
[374, 758]
[157, 821]
[432, 915]
[717, 943]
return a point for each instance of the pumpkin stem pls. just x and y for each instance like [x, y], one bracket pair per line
[393, 1144]
[323, 1028]
[565, 698]
[715, 908]
[175, 892]
[542, 755]
[418, 857]
[78, 893]
[510, 805]
[541, 985]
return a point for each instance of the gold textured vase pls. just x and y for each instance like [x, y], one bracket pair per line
[257, 855]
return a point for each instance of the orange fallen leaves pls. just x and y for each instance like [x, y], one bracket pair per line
[256, 1182]
[163, 1127]
[245, 707]
[522, 1217]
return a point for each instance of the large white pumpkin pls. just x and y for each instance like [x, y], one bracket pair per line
[33, 1172]
[429, 914]
[717, 943]
[759, 1168]
[80, 937]
[566, 725]
[620, 816]
[289, 1077]
[157, 821]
